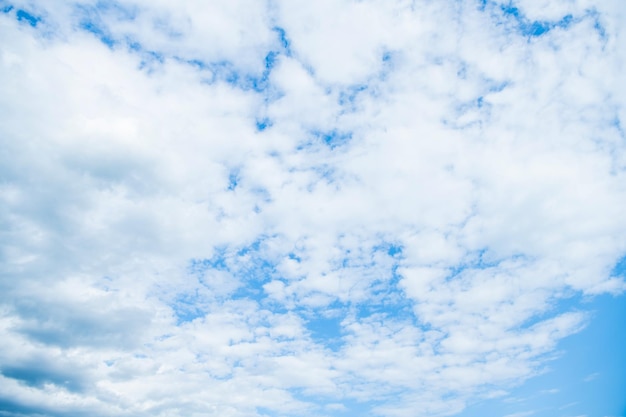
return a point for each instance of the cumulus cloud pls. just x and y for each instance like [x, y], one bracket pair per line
[301, 208]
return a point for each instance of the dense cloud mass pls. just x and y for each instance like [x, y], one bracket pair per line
[302, 208]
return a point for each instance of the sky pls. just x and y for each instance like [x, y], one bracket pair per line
[331, 208]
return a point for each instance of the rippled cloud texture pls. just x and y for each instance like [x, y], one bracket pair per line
[302, 208]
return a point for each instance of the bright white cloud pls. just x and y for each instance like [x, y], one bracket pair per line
[301, 208]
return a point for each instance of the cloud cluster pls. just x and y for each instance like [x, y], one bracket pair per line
[301, 208]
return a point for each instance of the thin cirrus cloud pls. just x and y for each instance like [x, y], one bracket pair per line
[302, 208]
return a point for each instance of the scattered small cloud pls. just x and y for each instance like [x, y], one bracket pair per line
[551, 391]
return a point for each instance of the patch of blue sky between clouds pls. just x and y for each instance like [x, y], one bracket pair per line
[537, 28]
[234, 177]
[388, 305]
[89, 19]
[261, 84]
[263, 123]
[28, 17]
[248, 265]
[188, 306]
[347, 97]
[534, 28]
[619, 270]
[326, 330]
[5, 7]
[24, 16]
[332, 139]
[150, 60]
[618, 125]
[284, 40]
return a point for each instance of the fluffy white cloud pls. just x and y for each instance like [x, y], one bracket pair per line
[301, 208]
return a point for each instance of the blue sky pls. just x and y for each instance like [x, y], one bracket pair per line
[332, 208]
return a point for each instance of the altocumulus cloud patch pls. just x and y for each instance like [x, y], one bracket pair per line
[301, 208]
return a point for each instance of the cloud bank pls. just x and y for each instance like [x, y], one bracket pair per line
[281, 208]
